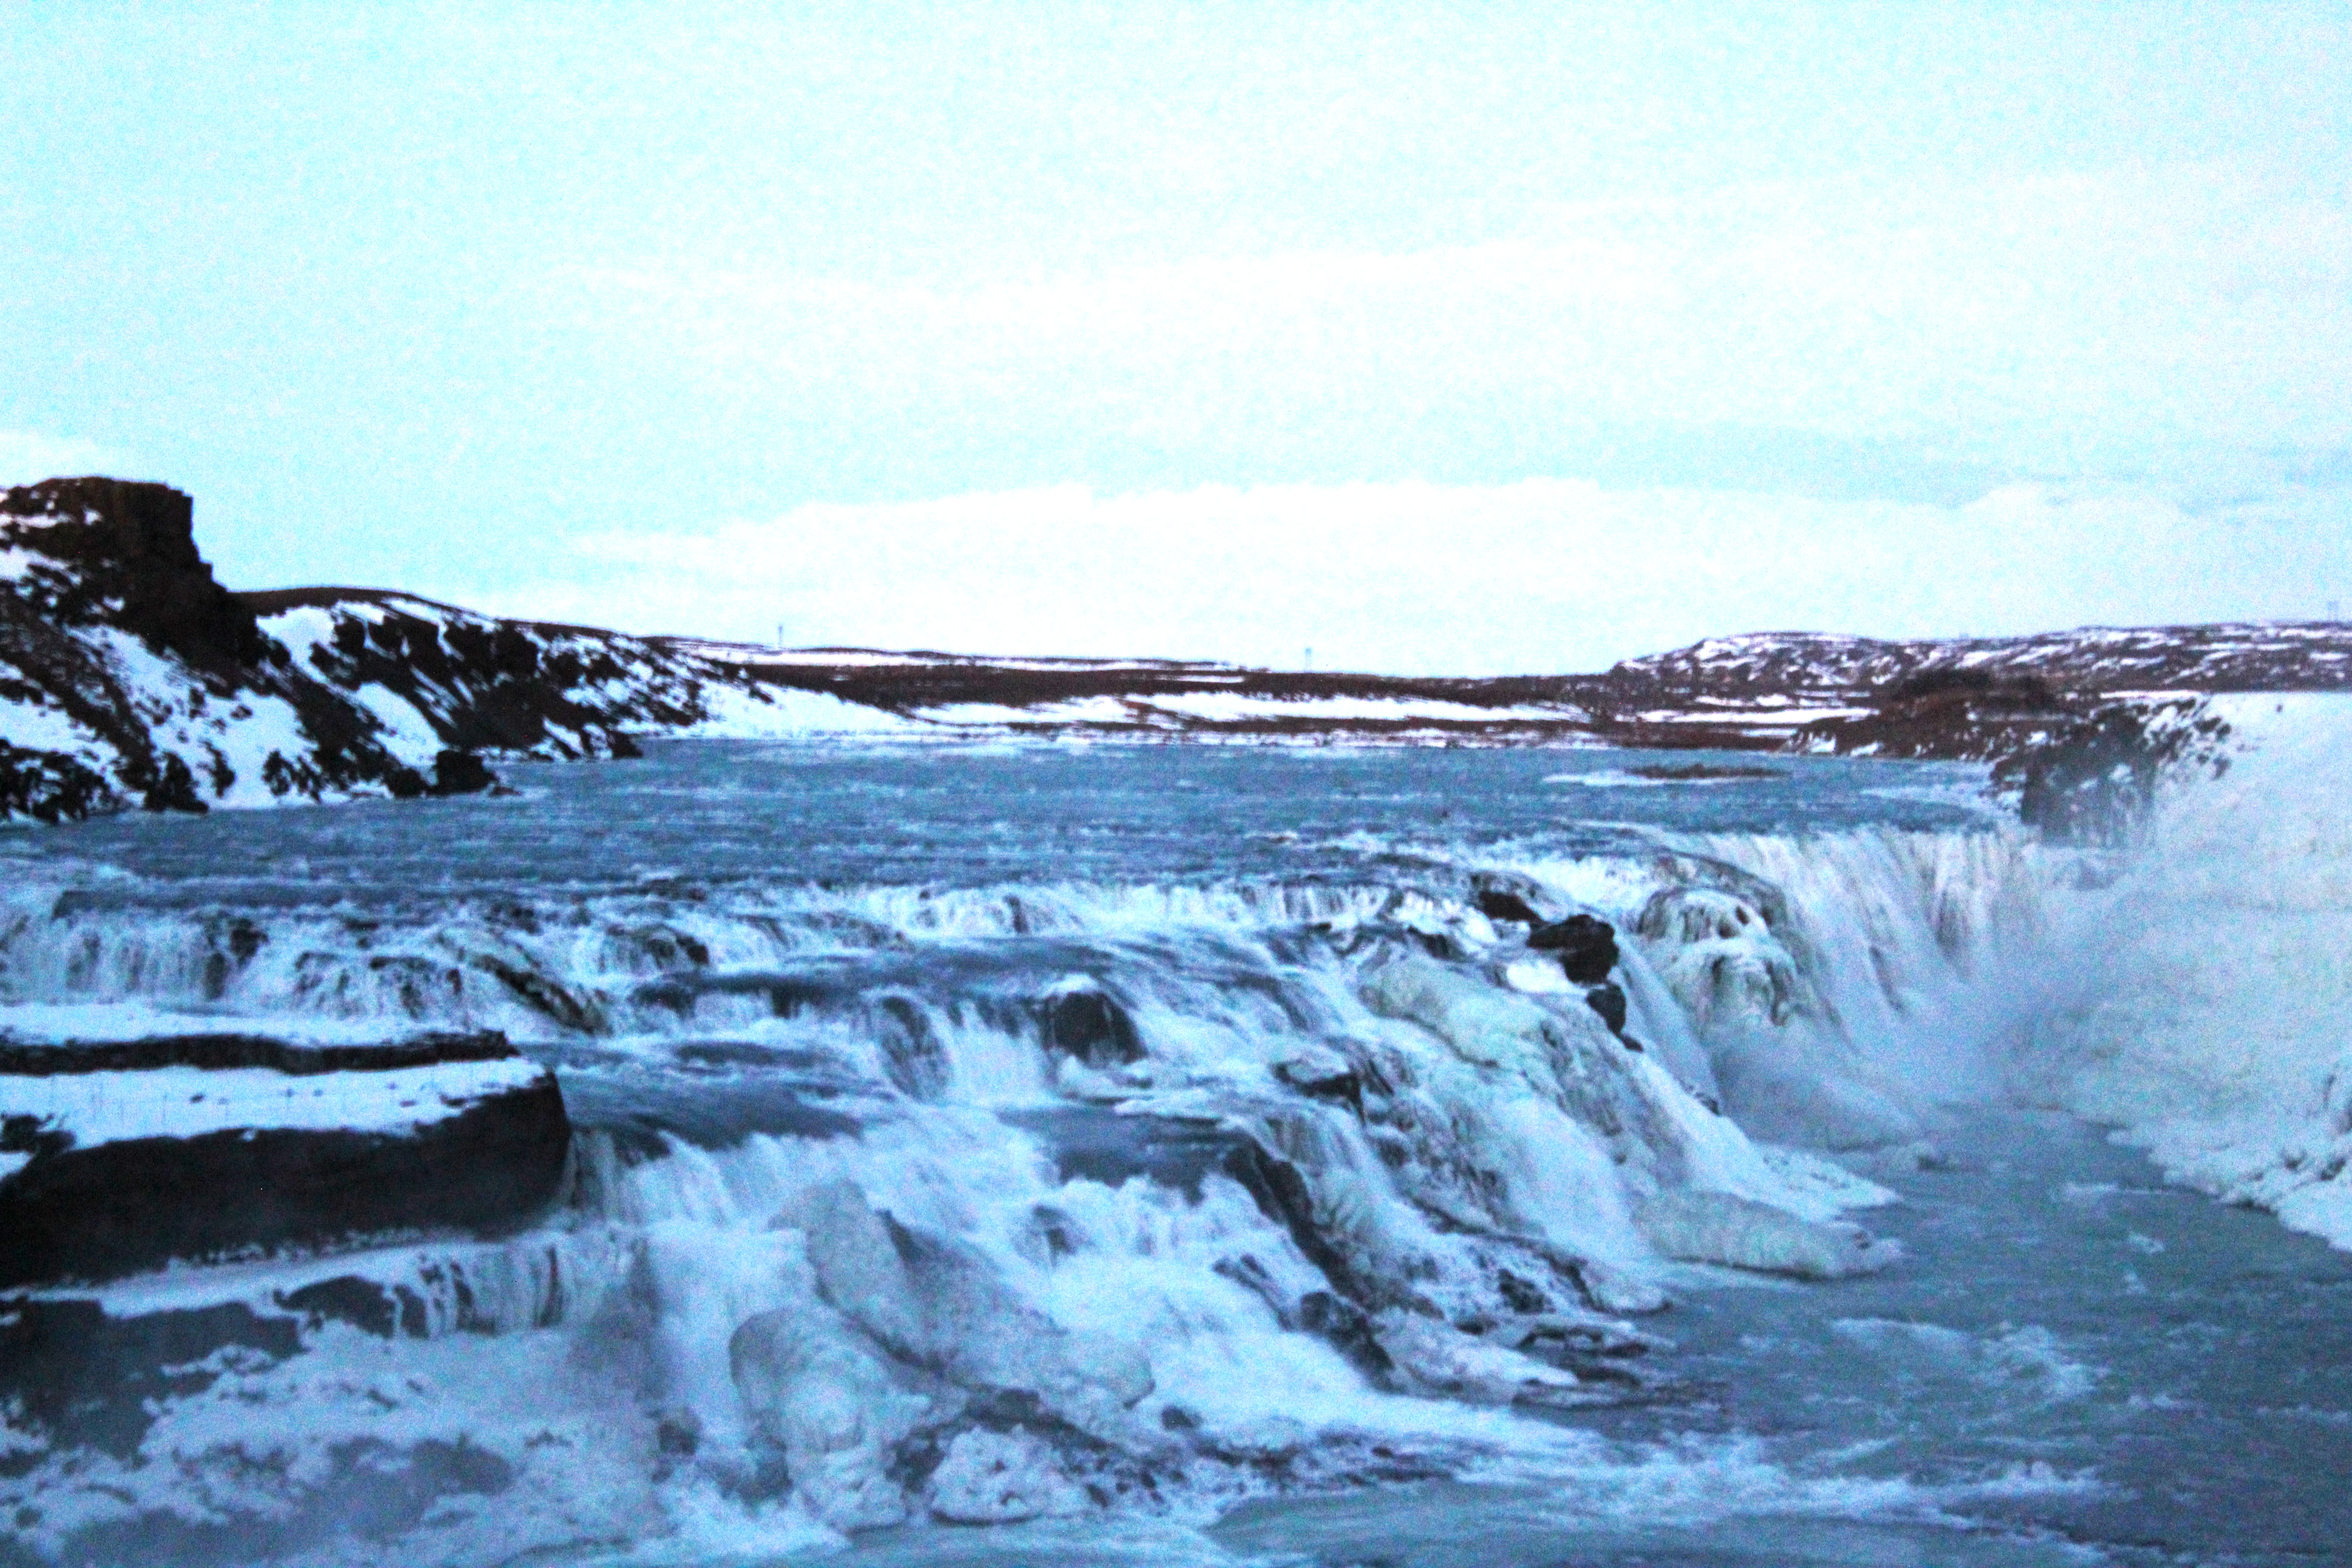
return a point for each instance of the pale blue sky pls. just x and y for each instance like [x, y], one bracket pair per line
[1472, 337]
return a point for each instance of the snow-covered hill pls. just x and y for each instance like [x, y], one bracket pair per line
[433, 676]
[2243, 657]
[129, 676]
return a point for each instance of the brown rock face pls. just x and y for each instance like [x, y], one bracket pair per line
[114, 554]
[134, 545]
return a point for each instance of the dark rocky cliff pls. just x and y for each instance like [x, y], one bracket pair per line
[124, 554]
[129, 676]
[510, 688]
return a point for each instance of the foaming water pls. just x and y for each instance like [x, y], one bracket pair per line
[1157, 1154]
[2216, 1029]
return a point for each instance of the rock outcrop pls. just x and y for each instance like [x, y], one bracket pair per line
[130, 677]
[103, 1144]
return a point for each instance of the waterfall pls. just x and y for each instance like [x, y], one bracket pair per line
[896, 1203]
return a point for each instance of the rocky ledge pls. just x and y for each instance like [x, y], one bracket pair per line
[273, 1145]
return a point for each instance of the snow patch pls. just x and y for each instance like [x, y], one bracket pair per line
[187, 1102]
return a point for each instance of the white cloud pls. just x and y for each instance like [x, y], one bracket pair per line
[1535, 576]
[2208, 302]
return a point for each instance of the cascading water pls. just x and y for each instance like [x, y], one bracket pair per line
[2216, 1029]
[938, 1197]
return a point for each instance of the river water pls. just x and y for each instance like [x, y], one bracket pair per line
[1018, 1008]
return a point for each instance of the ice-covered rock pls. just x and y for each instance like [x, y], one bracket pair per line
[2210, 1023]
[909, 1343]
[1728, 949]
[939, 1305]
[1720, 955]
[1434, 1357]
[1702, 1227]
[837, 1406]
[1566, 1054]
[1001, 1477]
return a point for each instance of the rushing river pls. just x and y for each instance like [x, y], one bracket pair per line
[1259, 1199]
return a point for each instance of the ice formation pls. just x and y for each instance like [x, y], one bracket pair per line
[2214, 1027]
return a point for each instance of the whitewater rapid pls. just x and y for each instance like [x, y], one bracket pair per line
[950, 1199]
[2215, 1025]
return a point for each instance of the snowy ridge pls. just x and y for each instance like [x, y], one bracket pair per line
[139, 680]
[2243, 657]
[450, 677]
[851, 658]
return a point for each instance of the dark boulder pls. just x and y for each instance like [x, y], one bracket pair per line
[1090, 1027]
[1587, 947]
[1514, 896]
[1498, 905]
[1608, 999]
[461, 773]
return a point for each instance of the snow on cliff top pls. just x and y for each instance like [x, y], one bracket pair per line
[2241, 656]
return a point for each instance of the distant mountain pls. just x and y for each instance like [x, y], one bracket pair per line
[130, 677]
